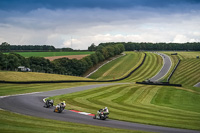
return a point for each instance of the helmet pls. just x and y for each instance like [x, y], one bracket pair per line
[63, 101]
[106, 107]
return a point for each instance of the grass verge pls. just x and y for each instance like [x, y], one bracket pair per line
[11, 89]
[16, 123]
[33, 76]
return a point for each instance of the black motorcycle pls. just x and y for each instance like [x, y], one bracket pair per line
[48, 103]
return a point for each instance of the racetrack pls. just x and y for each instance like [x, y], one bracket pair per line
[32, 104]
[166, 67]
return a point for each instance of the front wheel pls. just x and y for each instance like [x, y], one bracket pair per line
[94, 117]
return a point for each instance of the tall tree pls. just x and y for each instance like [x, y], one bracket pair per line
[5, 47]
[92, 47]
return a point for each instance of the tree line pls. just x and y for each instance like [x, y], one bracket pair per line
[130, 46]
[12, 61]
[6, 47]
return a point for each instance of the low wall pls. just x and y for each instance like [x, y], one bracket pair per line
[159, 83]
[173, 70]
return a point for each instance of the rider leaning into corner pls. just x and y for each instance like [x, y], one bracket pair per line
[62, 104]
[105, 110]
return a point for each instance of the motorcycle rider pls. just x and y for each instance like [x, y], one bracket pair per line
[58, 106]
[62, 104]
[48, 103]
[105, 110]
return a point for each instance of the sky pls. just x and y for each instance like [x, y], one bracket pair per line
[79, 23]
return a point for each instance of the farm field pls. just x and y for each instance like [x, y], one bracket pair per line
[119, 67]
[50, 54]
[157, 105]
[78, 57]
[11, 122]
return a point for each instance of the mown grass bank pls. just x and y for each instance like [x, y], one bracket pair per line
[124, 65]
[11, 89]
[34, 76]
[16, 123]
[152, 65]
[119, 67]
[188, 71]
[155, 105]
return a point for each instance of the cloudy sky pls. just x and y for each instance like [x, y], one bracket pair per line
[83, 22]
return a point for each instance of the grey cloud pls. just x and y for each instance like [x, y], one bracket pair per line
[86, 26]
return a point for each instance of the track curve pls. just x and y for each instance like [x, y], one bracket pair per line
[164, 70]
[32, 104]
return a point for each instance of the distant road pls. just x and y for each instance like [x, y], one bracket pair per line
[32, 104]
[166, 67]
[197, 85]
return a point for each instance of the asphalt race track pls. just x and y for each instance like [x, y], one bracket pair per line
[197, 85]
[32, 104]
[166, 67]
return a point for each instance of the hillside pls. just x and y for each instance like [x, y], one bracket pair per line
[33, 76]
[188, 71]
[119, 67]
[152, 65]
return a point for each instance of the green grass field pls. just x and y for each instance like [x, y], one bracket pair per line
[119, 67]
[49, 54]
[151, 67]
[16, 123]
[34, 76]
[122, 66]
[157, 105]
[188, 71]
[11, 89]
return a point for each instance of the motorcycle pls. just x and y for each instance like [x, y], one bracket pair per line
[59, 109]
[48, 104]
[101, 115]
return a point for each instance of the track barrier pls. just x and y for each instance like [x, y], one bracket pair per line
[173, 70]
[159, 83]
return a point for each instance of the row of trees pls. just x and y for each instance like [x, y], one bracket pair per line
[6, 47]
[130, 46]
[65, 66]
[79, 67]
